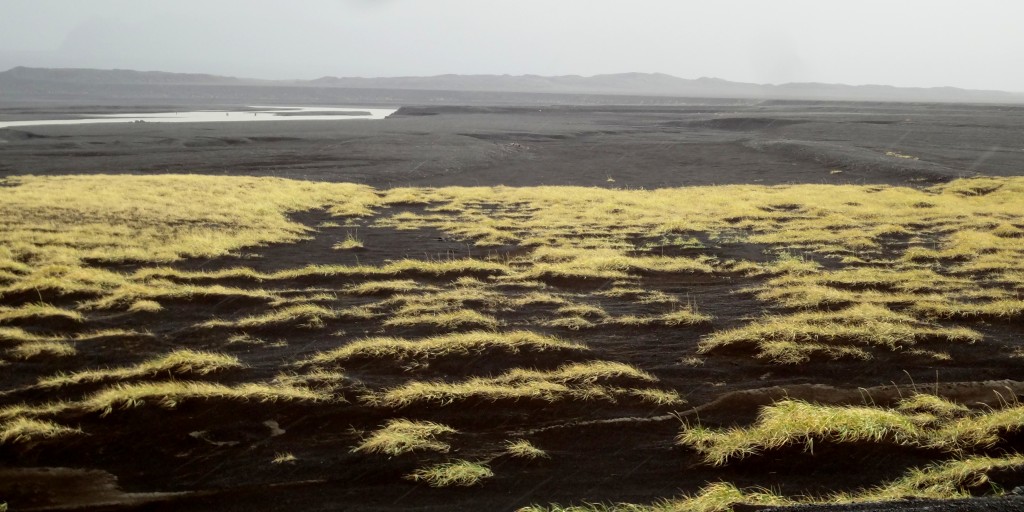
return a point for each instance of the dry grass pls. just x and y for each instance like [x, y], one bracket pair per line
[795, 422]
[284, 458]
[523, 449]
[304, 315]
[38, 311]
[33, 349]
[461, 473]
[456, 344]
[388, 287]
[982, 430]
[577, 381]
[145, 306]
[169, 394]
[944, 480]
[921, 421]
[456, 319]
[794, 338]
[716, 497]
[350, 242]
[26, 430]
[904, 267]
[403, 436]
[179, 362]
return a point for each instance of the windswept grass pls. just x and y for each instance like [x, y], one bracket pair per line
[577, 263]
[162, 218]
[403, 436]
[921, 421]
[959, 478]
[576, 381]
[883, 269]
[793, 422]
[523, 449]
[983, 430]
[794, 338]
[349, 243]
[169, 394]
[38, 311]
[456, 319]
[179, 362]
[32, 349]
[303, 315]
[461, 473]
[716, 497]
[26, 430]
[456, 344]
[388, 287]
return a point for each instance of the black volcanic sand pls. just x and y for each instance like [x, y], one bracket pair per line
[600, 453]
[646, 147]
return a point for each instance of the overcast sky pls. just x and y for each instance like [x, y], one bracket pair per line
[977, 44]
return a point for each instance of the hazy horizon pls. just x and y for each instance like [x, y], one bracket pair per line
[908, 44]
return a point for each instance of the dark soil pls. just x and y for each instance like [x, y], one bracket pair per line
[150, 458]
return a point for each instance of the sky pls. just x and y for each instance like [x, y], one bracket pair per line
[921, 43]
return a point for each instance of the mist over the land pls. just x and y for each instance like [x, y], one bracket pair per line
[912, 43]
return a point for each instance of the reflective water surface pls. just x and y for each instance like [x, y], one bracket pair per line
[257, 113]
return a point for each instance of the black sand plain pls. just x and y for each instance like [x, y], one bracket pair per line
[598, 455]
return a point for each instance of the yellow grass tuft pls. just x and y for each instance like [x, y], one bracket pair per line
[523, 449]
[403, 436]
[145, 306]
[26, 430]
[461, 473]
[447, 345]
[50, 348]
[38, 310]
[169, 394]
[457, 319]
[179, 362]
[350, 242]
[792, 422]
[284, 458]
[792, 339]
[304, 315]
[576, 381]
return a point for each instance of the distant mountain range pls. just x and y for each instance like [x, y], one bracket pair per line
[26, 80]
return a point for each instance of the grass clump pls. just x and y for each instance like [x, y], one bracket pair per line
[403, 436]
[791, 422]
[573, 323]
[981, 430]
[792, 339]
[305, 315]
[38, 311]
[179, 362]
[523, 449]
[52, 348]
[716, 497]
[455, 344]
[145, 306]
[959, 478]
[457, 319]
[169, 394]
[931, 404]
[284, 458]
[27, 430]
[576, 381]
[349, 243]
[461, 473]
[388, 287]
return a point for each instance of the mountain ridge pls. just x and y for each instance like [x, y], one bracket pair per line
[632, 83]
